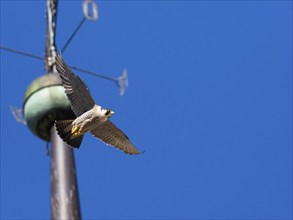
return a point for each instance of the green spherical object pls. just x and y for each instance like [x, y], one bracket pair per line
[45, 102]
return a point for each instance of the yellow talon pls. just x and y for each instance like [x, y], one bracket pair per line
[75, 131]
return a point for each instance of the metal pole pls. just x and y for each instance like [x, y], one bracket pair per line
[64, 190]
[50, 51]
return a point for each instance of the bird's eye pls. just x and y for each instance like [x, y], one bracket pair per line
[107, 112]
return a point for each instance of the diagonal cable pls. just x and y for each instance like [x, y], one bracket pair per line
[73, 34]
[121, 82]
[93, 73]
[73, 67]
[22, 53]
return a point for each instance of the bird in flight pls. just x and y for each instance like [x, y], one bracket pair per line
[89, 116]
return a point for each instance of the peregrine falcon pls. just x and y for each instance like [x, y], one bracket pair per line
[89, 116]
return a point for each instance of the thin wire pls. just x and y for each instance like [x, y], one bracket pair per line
[72, 67]
[73, 34]
[93, 73]
[22, 53]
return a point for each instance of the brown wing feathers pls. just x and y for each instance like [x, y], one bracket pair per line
[76, 91]
[112, 135]
[64, 130]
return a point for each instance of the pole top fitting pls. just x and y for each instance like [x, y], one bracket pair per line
[91, 16]
[45, 102]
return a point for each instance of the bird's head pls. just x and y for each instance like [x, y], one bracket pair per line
[108, 113]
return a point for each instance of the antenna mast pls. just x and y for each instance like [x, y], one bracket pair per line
[46, 102]
[50, 51]
[64, 190]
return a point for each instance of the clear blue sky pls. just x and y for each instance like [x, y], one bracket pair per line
[209, 100]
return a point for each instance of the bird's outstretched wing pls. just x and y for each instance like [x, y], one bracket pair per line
[76, 91]
[111, 135]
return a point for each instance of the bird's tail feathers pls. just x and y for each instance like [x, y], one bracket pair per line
[64, 130]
